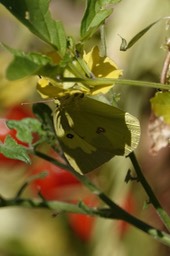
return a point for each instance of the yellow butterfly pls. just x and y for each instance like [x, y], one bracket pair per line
[91, 132]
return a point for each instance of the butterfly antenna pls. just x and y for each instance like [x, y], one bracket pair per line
[39, 101]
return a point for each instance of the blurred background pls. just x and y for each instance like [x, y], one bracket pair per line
[29, 232]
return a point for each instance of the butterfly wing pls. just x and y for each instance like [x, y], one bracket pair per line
[92, 132]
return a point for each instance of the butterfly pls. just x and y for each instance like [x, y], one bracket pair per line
[91, 132]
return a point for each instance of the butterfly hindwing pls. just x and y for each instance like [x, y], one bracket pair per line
[92, 132]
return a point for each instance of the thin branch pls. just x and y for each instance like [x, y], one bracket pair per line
[152, 198]
[63, 207]
[103, 48]
[50, 159]
[108, 81]
[116, 212]
[165, 69]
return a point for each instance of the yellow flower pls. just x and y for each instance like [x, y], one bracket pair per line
[101, 67]
[92, 65]
[47, 89]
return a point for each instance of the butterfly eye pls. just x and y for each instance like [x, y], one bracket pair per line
[79, 95]
[82, 95]
[69, 136]
[100, 130]
[76, 94]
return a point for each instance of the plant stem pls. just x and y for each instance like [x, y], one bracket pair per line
[50, 159]
[38, 203]
[158, 235]
[164, 74]
[63, 207]
[152, 198]
[114, 211]
[108, 81]
[103, 48]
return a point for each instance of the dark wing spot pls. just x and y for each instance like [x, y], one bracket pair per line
[69, 135]
[100, 130]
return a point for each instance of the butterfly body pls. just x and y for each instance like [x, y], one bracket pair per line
[92, 132]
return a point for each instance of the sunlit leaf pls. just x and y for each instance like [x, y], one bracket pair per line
[11, 149]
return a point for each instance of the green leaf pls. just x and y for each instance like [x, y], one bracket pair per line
[25, 128]
[161, 105]
[36, 17]
[26, 64]
[95, 14]
[11, 149]
[124, 45]
[45, 115]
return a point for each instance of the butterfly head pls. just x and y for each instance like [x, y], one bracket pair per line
[68, 97]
